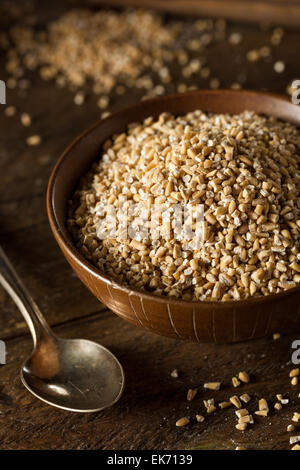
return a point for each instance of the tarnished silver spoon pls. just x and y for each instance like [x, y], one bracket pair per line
[73, 374]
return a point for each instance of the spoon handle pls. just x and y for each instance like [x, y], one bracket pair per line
[20, 295]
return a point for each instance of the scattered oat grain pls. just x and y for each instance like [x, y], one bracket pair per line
[244, 377]
[33, 140]
[294, 372]
[212, 385]
[79, 98]
[200, 418]
[182, 422]
[296, 447]
[10, 111]
[192, 392]
[245, 398]
[235, 382]
[279, 66]
[235, 401]
[25, 119]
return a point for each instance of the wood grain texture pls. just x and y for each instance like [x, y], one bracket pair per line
[152, 402]
[145, 417]
[285, 12]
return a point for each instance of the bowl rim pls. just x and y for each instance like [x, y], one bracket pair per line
[66, 242]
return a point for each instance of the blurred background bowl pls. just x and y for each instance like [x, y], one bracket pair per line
[196, 321]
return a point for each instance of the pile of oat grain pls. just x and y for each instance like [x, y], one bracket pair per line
[109, 50]
[244, 169]
[104, 47]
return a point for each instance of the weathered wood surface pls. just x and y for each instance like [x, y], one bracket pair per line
[145, 416]
[152, 402]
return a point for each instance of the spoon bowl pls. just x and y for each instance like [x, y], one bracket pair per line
[74, 374]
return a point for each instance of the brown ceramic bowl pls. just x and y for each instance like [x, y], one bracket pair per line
[195, 321]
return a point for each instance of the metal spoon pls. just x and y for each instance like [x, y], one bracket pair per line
[73, 374]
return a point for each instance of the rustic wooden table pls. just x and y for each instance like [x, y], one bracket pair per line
[145, 416]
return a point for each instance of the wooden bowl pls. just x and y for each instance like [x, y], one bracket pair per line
[195, 321]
